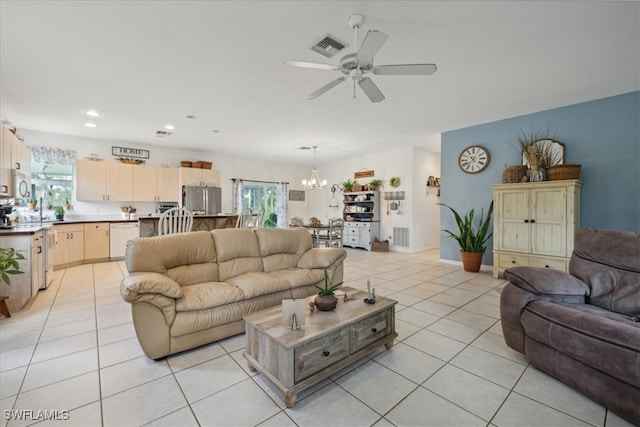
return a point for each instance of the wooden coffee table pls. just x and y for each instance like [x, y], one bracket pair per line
[329, 341]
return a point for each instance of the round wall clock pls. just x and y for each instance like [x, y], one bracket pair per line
[473, 159]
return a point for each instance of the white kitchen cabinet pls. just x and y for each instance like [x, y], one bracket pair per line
[360, 234]
[101, 181]
[535, 224]
[155, 184]
[198, 176]
[6, 187]
[69, 245]
[96, 241]
[14, 154]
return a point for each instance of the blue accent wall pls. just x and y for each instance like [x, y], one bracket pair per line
[602, 135]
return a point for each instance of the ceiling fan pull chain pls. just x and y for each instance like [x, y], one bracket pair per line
[354, 89]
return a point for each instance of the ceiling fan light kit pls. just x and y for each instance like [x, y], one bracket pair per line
[356, 65]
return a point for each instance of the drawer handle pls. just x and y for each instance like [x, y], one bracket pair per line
[526, 221]
[325, 353]
[546, 266]
[513, 261]
[374, 330]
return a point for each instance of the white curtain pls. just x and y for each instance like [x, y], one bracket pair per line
[53, 155]
[282, 204]
[238, 190]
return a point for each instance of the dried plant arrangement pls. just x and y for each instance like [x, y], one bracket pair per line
[538, 149]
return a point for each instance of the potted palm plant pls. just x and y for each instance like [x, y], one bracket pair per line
[326, 299]
[9, 264]
[472, 240]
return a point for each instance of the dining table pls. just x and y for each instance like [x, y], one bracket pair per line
[315, 230]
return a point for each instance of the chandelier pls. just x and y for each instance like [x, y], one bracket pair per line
[314, 182]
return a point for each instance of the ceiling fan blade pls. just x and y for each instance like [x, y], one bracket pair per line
[326, 87]
[315, 65]
[405, 69]
[370, 89]
[371, 44]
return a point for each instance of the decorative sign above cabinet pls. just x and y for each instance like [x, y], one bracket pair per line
[363, 174]
[130, 152]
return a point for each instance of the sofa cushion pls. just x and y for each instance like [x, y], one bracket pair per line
[282, 248]
[298, 277]
[207, 295]
[188, 322]
[192, 254]
[601, 339]
[545, 281]
[609, 262]
[258, 283]
[238, 252]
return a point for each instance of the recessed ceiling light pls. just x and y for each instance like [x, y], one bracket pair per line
[169, 127]
[93, 113]
[90, 125]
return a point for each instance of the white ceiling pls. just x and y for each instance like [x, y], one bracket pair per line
[143, 64]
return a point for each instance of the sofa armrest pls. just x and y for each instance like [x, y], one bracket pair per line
[544, 281]
[324, 258]
[136, 284]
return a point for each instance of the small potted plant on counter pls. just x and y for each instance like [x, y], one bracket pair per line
[32, 202]
[67, 205]
[326, 300]
[58, 211]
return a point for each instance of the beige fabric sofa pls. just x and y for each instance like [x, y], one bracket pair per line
[190, 289]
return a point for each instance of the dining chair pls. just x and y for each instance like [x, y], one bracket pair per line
[175, 220]
[333, 236]
[243, 218]
[255, 220]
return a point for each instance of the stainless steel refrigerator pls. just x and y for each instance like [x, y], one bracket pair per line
[202, 200]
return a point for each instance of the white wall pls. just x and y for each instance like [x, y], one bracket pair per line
[412, 165]
[230, 167]
[417, 211]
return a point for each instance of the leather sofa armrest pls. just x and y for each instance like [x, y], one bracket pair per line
[544, 281]
[136, 284]
[321, 258]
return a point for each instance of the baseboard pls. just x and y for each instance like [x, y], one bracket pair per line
[483, 267]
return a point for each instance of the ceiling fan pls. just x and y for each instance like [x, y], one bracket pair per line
[356, 65]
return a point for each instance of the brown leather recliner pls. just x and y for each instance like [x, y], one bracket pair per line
[191, 289]
[583, 328]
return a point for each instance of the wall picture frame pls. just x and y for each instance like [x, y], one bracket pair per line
[296, 195]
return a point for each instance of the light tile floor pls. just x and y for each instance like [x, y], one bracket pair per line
[74, 349]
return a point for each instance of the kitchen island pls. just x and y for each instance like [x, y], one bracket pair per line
[149, 224]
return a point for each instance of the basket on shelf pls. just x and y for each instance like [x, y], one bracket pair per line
[185, 164]
[560, 172]
[513, 174]
[197, 165]
[206, 165]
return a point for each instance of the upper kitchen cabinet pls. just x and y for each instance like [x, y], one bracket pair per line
[155, 184]
[14, 154]
[104, 181]
[6, 189]
[198, 176]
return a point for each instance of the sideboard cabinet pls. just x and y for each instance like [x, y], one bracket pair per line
[535, 224]
[361, 216]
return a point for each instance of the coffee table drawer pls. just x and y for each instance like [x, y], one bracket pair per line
[316, 355]
[369, 330]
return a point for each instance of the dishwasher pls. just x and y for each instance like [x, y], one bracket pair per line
[119, 234]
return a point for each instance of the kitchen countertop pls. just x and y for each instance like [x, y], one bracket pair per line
[34, 227]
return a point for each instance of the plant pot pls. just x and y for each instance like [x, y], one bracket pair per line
[31, 206]
[326, 302]
[471, 261]
[60, 217]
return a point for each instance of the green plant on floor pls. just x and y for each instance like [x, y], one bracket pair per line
[327, 290]
[469, 238]
[9, 265]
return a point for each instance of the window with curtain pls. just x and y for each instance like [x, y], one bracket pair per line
[52, 175]
[269, 196]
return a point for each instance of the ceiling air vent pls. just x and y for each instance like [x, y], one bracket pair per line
[162, 133]
[328, 46]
